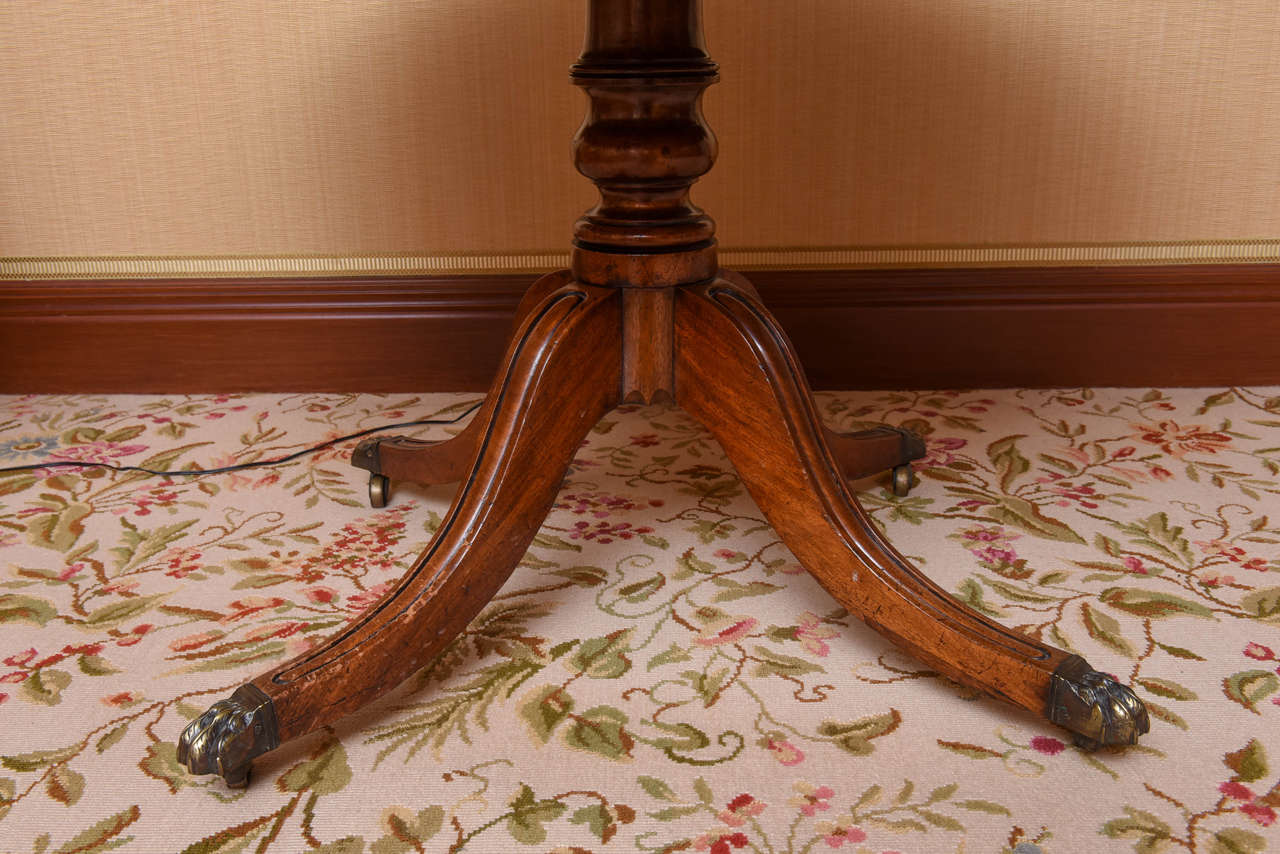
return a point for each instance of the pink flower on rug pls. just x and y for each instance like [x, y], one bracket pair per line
[96, 452]
[740, 809]
[196, 640]
[250, 605]
[14, 677]
[133, 635]
[320, 595]
[22, 659]
[812, 634]
[726, 630]
[72, 571]
[940, 452]
[811, 799]
[1047, 745]
[718, 842]
[182, 562]
[604, 532]
[1259, 652]
[1069, 493]
[274, 630]
[784, 751]
[363, 600]
[1239, 791]
[840, 831]
[1135, 565]
[123, 700]
[1262, 814]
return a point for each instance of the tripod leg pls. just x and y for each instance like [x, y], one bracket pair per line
[736, 373]
[390, 459]
[562, 375]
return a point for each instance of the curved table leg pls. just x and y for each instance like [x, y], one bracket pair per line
[563, 371]
[389, 459]
[736, 373]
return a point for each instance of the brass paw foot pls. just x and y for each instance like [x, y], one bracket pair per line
[226, 738]
[1098, 709]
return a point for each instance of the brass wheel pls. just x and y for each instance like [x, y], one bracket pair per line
[903, 480]
[379, 490]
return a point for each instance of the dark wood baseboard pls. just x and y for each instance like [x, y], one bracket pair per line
[854, 329]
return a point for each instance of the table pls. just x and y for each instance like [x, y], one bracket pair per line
[645, 314]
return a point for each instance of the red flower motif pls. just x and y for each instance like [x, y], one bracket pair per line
[1047, 745]
[741, 808]
[1254, 650]
[1239, 791]
[1263, 815]
[1177, 441]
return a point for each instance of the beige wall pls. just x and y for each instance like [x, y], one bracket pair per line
[441, 127]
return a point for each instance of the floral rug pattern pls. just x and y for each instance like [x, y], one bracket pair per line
[658, 674]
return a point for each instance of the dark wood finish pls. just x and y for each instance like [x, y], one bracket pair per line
[581, 347]
[1204, 325]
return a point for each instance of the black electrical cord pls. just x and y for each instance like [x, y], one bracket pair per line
[242, 466]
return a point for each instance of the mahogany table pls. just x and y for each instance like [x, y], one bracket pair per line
[645, 314]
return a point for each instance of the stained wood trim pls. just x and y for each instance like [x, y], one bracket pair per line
[902, 328]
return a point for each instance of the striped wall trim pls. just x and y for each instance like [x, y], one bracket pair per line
[1262, 251]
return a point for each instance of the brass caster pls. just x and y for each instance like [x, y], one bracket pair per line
[903, 480]
[379, 490]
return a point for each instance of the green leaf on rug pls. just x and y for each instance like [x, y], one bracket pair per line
[407, 830]
[28, 609]
[1021, 513]
[602, 658]
[1249, 762]
[324, 773]
[734, 590]
[1152, 833]
[1151, 604]
[770, 663]
[546, 709]
[60, 526]
[856, 736]
[1167, 688]
[1008, 460]
[655, 788]
[109, 739]
[64, 785]
[1106, 629]
[602, 730]
[671, 655]
[45, 686]
[100, 837]
[109, 616]
[530, 814]
[1264, 604]
[1234, 840]
[1250, 687]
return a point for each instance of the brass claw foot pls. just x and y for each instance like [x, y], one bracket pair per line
[226, 738]
[1098, 709]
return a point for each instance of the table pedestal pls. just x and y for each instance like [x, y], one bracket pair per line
[646, 315]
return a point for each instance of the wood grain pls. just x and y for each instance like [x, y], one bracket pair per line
[902, 328]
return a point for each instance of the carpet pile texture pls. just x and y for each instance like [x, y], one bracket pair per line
[658, 674]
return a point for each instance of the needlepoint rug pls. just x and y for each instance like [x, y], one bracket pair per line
[658, 674]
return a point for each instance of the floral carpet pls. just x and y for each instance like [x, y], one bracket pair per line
[658, 674]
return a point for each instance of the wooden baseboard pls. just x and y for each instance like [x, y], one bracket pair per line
[895, 328]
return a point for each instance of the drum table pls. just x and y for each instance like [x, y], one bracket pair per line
[645, 315]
